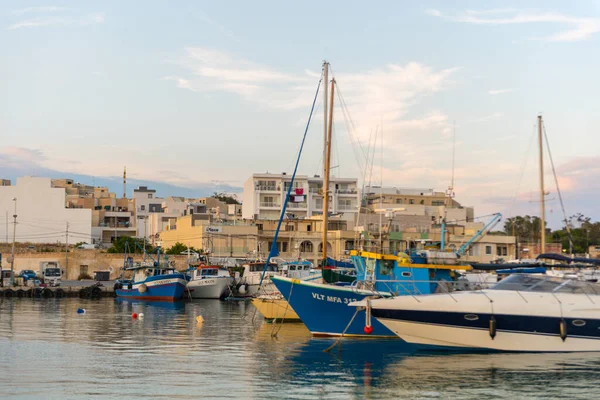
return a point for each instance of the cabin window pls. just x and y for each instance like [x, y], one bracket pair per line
[387, 267]
[578, 322]
[471, 317]
[307, 267]
[292, 267]
[406, 274]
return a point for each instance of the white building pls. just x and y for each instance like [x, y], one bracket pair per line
[42, 216]
[264, 195]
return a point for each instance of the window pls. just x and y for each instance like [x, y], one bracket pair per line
[345, 204]
[501, 250]
[411, 201]
[149, 195]
[143, 208]
[437, 203]
[398, 201]
[308, 228]
[306, 247]
[83, 270]
[289, 228]
[488, 250]
[259, 227]
[349, 245]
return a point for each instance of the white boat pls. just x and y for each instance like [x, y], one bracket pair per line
[209, 282]
[526, 313]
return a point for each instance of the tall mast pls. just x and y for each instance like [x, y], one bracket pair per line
[327, 162]
[325, 102]
[542, 197]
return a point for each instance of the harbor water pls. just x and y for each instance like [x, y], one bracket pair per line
[49, 350]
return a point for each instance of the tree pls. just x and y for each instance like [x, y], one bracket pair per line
[526, 228]
[179, 248]
[225, 198]
[133, 245]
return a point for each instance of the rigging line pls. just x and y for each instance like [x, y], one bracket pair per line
[562, 205]
[349, 130]
[284, 205]
[364, 180]
[522, 172]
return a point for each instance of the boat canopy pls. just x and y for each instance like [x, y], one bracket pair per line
[547, 284]
[569, 260]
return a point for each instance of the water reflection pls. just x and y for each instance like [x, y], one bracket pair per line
[50, 351]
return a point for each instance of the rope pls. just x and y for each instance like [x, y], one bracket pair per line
[284, 313]
[327, 350]
[284, 206]
[562, 205]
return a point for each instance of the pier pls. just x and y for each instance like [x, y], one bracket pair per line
[84, 292]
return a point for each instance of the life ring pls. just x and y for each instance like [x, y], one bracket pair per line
[142, 288]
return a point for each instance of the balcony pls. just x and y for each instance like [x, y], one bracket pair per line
[347, 192]
[347, 208]
[268, 188]
[269, 204]
[297, 205]
[117, 214]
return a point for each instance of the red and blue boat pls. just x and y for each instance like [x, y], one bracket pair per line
[151, 280]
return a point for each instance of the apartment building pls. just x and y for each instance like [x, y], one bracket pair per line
[42, 215]
[265, 194]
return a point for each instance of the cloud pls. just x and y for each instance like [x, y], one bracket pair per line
[42, 9]
[573, 28]
[499, 91]
[22, 154]
[381, 95]
[43, 21]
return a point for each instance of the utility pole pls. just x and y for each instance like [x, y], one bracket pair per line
[67, 249]
[6, 227]
[145, 232]
[542, 194]
[12, 257]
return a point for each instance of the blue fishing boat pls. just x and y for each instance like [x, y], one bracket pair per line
[323, 308]
[151, 280]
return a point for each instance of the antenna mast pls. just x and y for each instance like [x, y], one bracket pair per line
[125, 182]
[542, 195]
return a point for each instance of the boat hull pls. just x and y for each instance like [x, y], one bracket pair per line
[324, 308]
[163, 289]
[209, 288]
[275, 309]
[446, 337]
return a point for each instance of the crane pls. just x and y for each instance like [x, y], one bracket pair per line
[480, 233]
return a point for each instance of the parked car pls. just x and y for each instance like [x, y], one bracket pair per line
[27, 274]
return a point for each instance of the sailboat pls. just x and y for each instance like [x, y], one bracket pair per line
[324, 308]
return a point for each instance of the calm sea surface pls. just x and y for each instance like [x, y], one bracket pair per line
[47, 350]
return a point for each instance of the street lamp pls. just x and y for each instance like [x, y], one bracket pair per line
[12, 257]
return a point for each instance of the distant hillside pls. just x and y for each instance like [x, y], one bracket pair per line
[115, 183]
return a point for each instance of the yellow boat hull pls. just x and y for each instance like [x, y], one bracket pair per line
[275, 309]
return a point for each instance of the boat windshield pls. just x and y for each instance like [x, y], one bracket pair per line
[545, 283]
[261, 267]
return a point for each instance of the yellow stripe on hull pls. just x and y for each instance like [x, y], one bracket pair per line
[275, 309]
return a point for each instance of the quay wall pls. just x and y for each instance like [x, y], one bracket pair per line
[79, 261]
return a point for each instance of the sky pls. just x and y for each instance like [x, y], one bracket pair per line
[203, 94]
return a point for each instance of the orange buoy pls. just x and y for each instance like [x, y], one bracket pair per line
[368, 329]
[134, 315]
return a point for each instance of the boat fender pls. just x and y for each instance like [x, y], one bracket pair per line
[8, 293]
[563, 329]
[242, 289]
[142, 288]
[199, 320]
[81, 311]
[20, 293]
[141, 315]
[368, 328]
[492, 327]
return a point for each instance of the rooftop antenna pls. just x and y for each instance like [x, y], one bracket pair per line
[125, 182]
